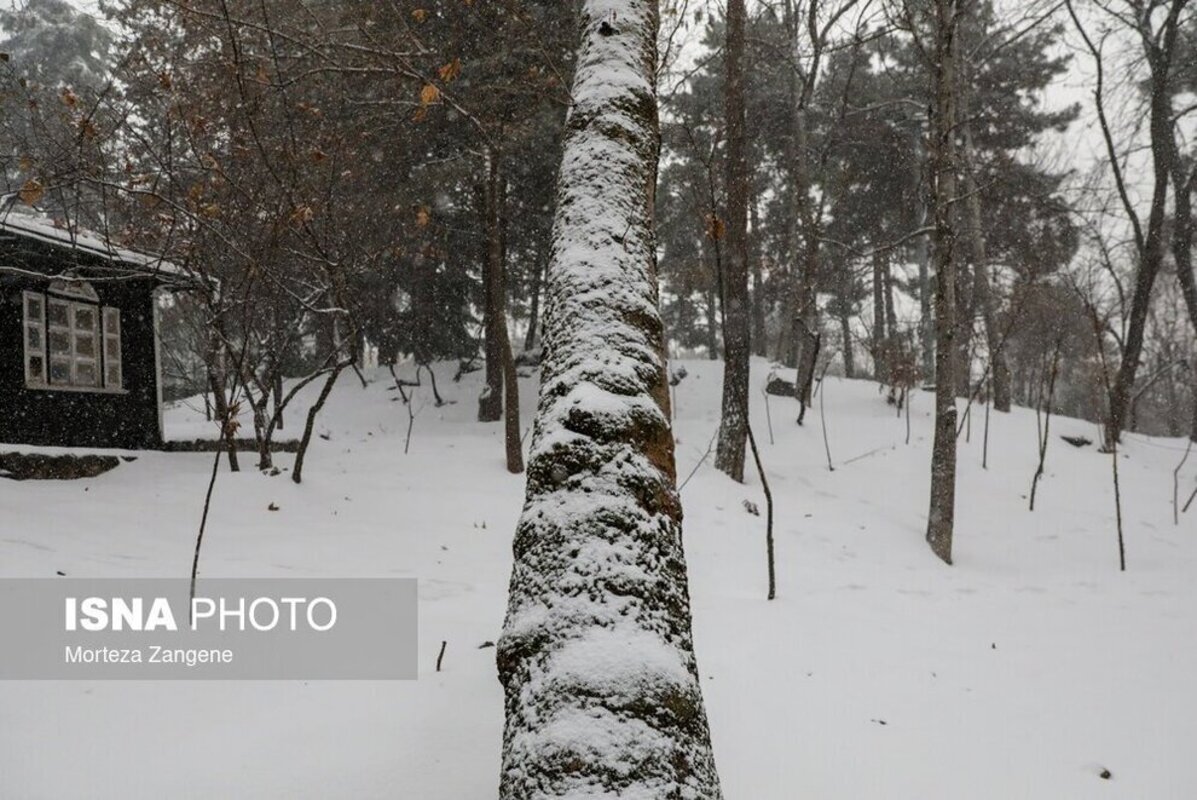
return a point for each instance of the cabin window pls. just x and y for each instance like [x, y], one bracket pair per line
[35, 338]
[112, 349]
[72, 344]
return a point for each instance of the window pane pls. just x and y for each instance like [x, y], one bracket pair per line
[85, 373]
[113, 380]
[60, 313]
[33, 308]
[37, 369]
[34, 339]
[85, 345]
[112, 350]
[60, 371]
[112, 320]
[60, 343]
[85, 318]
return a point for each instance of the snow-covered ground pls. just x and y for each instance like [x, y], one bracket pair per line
[1022, 672]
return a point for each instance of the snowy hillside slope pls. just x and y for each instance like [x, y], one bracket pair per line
[1022, 672]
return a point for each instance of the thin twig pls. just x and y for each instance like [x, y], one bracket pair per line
[823, 422]
[701, 461]
[769, 548]
[199, 539]
[768, 415]
[1176, 484]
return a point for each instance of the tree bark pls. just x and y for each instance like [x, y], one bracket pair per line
[490, 405]
[733, 428]
[922, 257]
[533, 335]
[846, 339]
[305, 441]
[277, 389]
[713, 324]
[803, 310]
[982, 283]
[596, 657]
[963, 364]
[941, 516]
[1182, 254]
[760, 344]
[217, 366]
[511, 411]
[880, 286]
[891, 313]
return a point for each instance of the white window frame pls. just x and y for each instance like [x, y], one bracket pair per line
[110, 330]
[105, 334]
[80, 360]
[39, 325]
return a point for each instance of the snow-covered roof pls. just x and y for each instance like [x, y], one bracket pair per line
[36, 226]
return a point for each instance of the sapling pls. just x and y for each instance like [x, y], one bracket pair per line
[1176, 484]
[228, 437]
[1043, 431]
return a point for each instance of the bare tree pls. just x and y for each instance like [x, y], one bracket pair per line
[1157, 34]
[816, 22]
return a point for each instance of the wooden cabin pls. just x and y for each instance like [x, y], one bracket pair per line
[79, 349]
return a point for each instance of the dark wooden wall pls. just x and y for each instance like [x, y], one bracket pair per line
[78, 419]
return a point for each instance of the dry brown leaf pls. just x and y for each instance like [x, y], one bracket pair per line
[450, 71]
[32, 192]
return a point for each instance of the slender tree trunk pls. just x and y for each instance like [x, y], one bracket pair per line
[217, 370]
[507, 391]
[277, 388]
[760, 346]
[941, 517]
[490, 405]
[804, 308]
[265, 457]
[511, 411]
[533, 335]
[1045, 432]
[1182, 254]
[713, 324]
[922, 257]
[310, 425]
[964, 313]
[637, 726]
[733, 428]
[846, 338]
[1193, 422]
[982, 282]
[807, 333]
[880, 285]
[891, 312]
[962, 280]
[791, 294]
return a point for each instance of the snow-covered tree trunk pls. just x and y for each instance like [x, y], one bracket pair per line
[733, 278]
[943, 162]
[602, 690]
